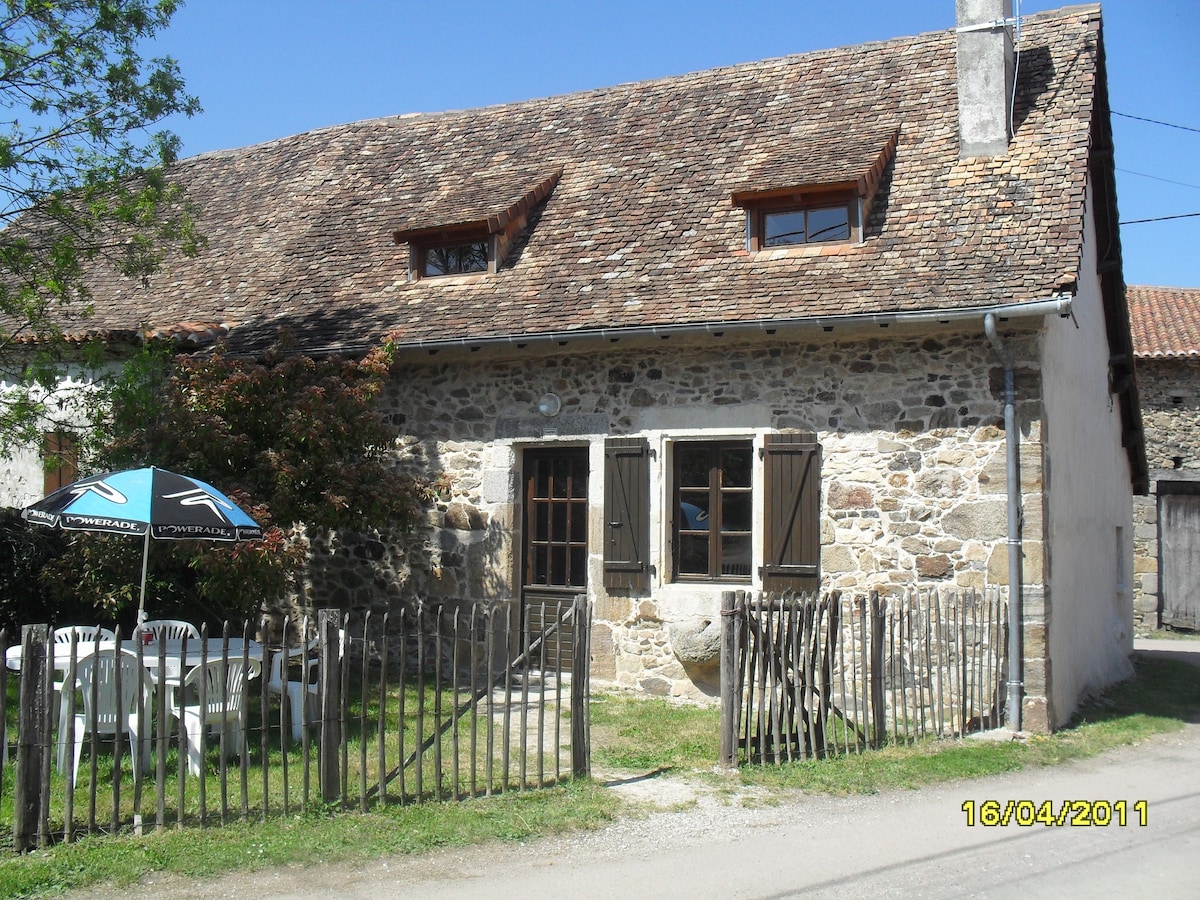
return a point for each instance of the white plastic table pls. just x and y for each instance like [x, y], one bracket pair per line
[170, 652]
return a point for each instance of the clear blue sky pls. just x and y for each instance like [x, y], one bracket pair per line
[265, 69]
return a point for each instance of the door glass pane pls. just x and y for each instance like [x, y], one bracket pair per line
[561, 479]
[578, 566]
[540, 560]
[579, 473]
[558, 565]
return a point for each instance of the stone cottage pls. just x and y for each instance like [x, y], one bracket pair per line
[851, 319]
[1166, 344]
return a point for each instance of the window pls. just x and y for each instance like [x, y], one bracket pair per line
[455, 259]
[714, 524]
[60, 460]
[713, 503]
[802, 219]
[806, 226]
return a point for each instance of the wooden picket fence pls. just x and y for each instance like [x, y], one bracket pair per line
[806, 676]
[422, 705]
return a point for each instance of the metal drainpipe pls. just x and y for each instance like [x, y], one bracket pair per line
[1016, 658]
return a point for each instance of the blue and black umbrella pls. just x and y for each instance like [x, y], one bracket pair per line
[152, 502]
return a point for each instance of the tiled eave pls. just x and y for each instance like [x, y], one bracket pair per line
[1165, 322]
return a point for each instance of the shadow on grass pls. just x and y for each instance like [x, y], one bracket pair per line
[1162, 686]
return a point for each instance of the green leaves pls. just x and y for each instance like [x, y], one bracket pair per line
[296, 441]
[80, 170]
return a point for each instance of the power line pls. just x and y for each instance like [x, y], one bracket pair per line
[1155, 122]
[1158, 178]
[1160, 219]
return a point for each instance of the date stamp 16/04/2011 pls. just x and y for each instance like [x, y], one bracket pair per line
[1026, 813]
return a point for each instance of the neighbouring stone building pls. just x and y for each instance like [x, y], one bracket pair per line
[776, 326]
[1166, 343]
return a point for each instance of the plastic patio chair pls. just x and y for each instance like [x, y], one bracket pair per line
[110, 712]
[86, 637]
[224, 699]
[304, 687]
[169, 629]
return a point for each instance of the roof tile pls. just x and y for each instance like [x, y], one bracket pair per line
[640, 229]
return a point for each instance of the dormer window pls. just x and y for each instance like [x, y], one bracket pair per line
[795, 220]
[454, 259]
[470, 228]
[818, 192]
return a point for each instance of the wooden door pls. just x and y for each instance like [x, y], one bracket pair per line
[1179, 551]
[555, 549]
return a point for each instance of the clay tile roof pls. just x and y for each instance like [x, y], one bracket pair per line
[639, 230]
[1165, 321]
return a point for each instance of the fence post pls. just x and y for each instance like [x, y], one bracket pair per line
[731, 639]
[32, 737]
[329, 662]
[878, 699]
[581, 750]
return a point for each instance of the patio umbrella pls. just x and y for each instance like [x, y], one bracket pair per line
[152, 502]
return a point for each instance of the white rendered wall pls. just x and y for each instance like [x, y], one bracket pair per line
[22, 471]
[1089, 519]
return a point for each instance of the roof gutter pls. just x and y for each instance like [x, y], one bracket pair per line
[1057, 305]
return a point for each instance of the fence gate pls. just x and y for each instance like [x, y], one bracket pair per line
[807, 676]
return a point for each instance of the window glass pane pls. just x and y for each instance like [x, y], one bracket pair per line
[735, 555]
[735, 466]
[693, 554]
[541, 481]
[736, 512]
[693, 511]
[541, 522]
[783, 228]
[456, 259]
[558, 522]
[694, 465]
[831, 224]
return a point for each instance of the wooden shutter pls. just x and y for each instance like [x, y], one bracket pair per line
[626, 514]
[792, 532]
[60, 461]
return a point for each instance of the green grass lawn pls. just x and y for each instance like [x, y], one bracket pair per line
[629, 733]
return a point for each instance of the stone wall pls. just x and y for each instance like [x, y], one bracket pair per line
[1169, 390]
[913, 473]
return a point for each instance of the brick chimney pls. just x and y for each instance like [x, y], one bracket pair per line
[985, 76]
